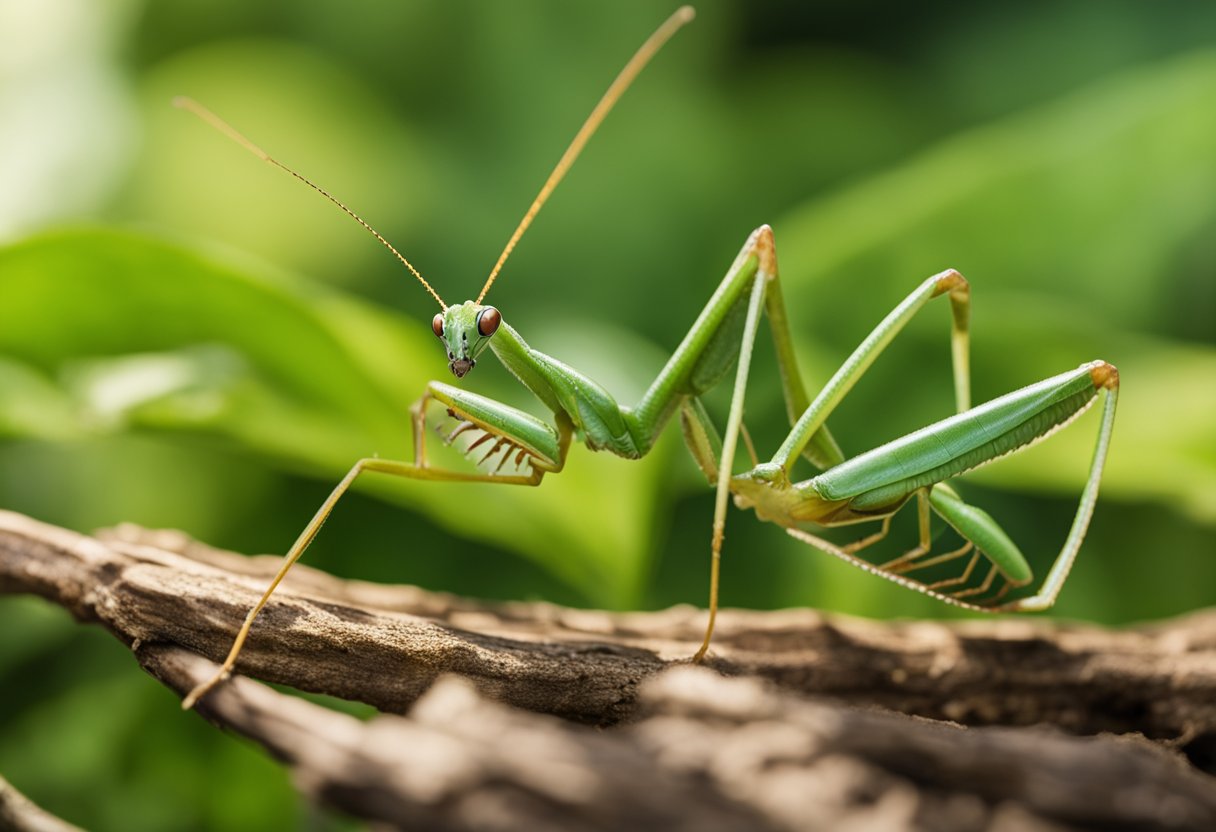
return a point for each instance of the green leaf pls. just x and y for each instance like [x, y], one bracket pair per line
[1090, 196]
[31, 405]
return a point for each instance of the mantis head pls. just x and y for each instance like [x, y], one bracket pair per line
[465, 330]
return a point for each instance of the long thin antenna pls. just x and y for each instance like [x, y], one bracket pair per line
[231, 132]
[682, 15]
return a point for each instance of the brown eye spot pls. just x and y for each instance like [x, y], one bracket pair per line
[488, 320]
[437, 325]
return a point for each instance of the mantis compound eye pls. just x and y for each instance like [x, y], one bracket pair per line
[488, 320]
[437, 325]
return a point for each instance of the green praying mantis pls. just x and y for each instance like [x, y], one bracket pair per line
[517, 448]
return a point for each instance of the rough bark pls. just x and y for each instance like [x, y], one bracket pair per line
[831, 722]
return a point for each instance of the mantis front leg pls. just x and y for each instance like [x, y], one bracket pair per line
[532, 442]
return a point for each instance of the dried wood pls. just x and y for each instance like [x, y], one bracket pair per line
[511, 716]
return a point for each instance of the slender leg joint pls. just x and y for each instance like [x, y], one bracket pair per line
[960, 339]
[1104, 375]
[766, 251]
[953, 282]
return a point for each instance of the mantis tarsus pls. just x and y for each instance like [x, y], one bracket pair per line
[516, 448]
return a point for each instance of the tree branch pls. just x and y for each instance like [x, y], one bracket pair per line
[695, 750]
[19, 814]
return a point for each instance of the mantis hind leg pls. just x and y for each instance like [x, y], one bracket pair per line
[984, 539]
[1006, 562]
[1046, 595]
[517, 430]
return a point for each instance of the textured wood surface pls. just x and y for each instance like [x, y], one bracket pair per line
[532, 716]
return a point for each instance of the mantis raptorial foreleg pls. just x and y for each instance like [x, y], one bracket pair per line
[541, 458]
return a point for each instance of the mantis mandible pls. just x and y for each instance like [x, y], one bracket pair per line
[517, 448]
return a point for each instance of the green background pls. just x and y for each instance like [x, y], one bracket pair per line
[189, 339]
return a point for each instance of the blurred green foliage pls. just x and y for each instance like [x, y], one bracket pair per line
[190, 339]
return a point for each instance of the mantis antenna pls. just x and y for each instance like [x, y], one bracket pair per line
[231, 132]
[653, 44]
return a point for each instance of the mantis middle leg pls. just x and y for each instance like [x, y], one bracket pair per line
[719, 460]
